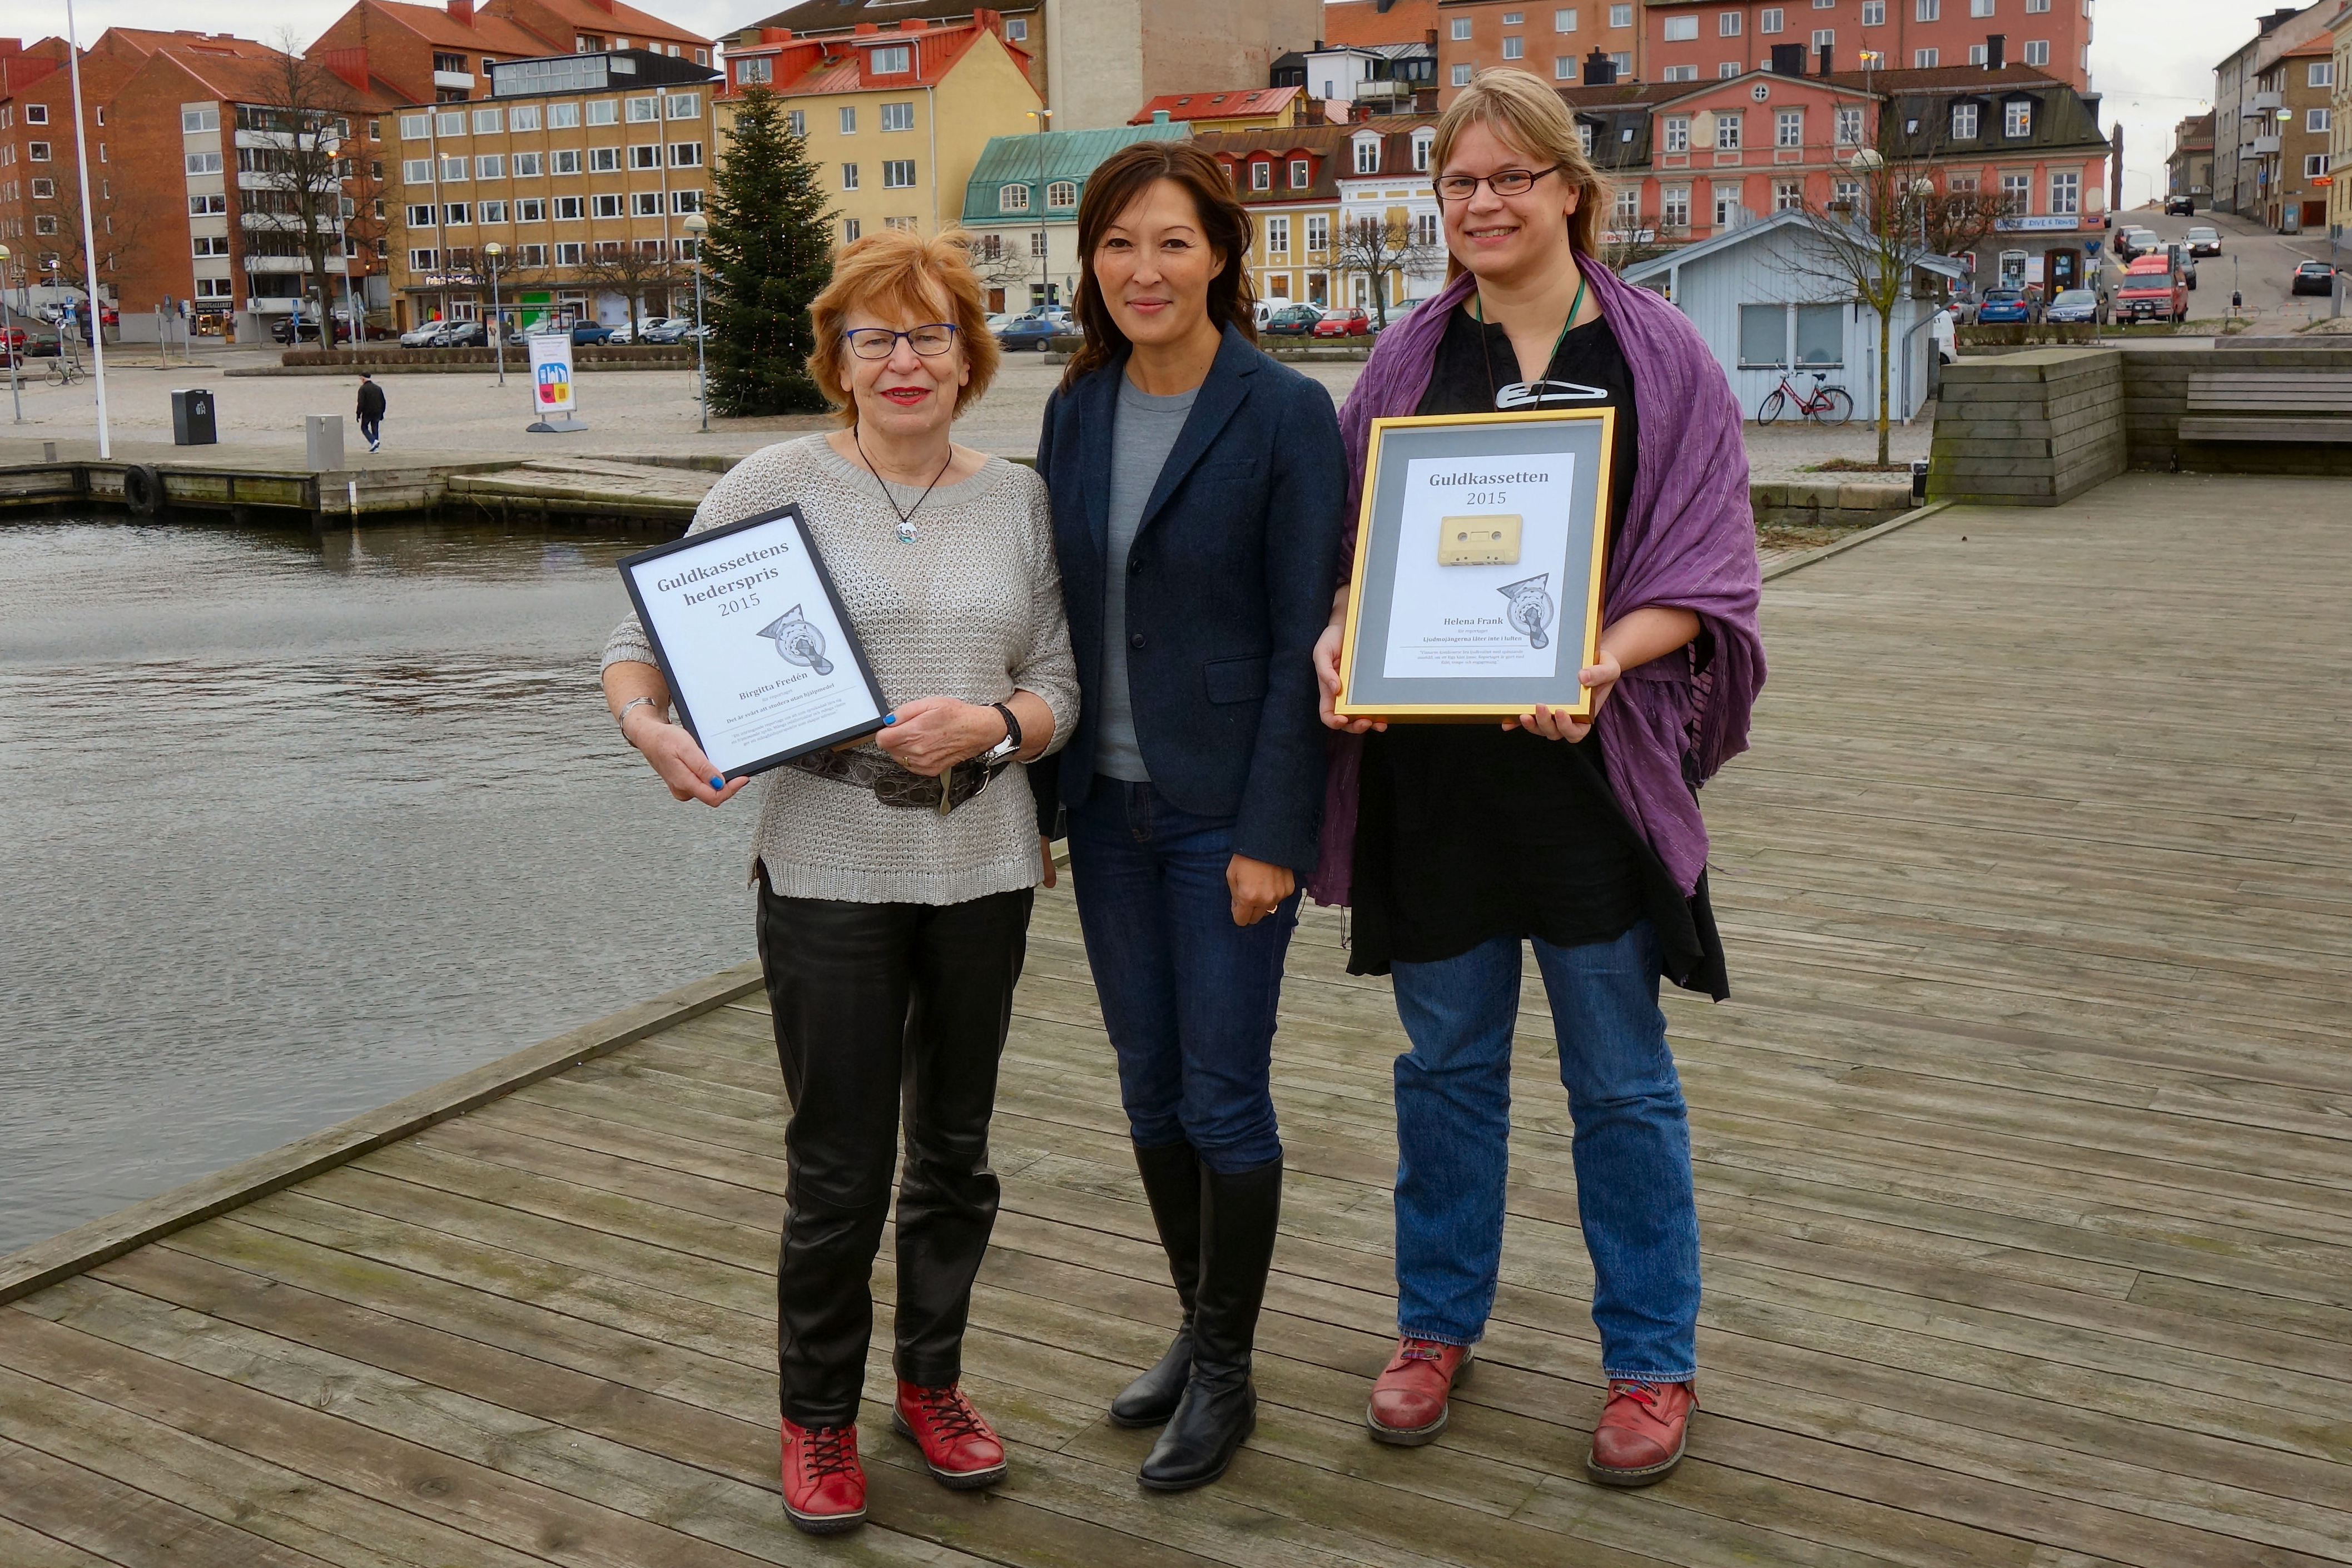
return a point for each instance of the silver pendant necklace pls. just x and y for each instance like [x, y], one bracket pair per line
[906, 517]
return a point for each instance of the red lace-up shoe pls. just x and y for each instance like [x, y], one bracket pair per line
[959, 1446]
[824, 1486]
[1640, 1438]
[1411, 1400]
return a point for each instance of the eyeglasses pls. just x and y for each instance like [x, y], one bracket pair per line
[881, 342]
[1502, 182]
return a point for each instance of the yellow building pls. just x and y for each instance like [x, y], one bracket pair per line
[1241, 109]
[1304, 188]
[895, 118]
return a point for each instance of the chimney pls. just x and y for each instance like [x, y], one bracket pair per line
[1788, 59]
[1429, 37]
[1828, 55]
[1996, 50]
[1158, 117]
[462, 12]
[1599, 70]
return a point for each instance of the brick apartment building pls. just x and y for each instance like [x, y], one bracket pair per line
[1551, 40]
[571, 163]
[1711, 40]
[428, 54]
[2189, 170]
[2303, 80]
[40, 171]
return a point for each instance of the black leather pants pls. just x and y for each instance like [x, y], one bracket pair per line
[877, 1006]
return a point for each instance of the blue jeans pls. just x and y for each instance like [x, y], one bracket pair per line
[1188, 997]
[1633, 1145]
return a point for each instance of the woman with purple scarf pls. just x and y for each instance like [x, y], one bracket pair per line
[1455, 843]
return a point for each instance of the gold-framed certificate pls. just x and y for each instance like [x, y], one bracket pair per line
[1479, 555]
[760, 655]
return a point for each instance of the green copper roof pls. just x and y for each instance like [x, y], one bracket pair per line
[1069, 155]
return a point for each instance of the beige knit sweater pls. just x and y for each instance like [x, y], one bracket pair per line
[971, 609]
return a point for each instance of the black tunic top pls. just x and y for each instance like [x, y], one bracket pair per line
[1468, 832]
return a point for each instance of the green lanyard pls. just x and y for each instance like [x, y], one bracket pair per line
[1479, 304]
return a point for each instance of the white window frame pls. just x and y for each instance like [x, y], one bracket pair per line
[898, 116]
[1013, 198]
[1967, 121]
[1771, 20]
[2065, 192]
[1461, 29]
[898, 173]
[1682, 30]
[850, 176]
[1278, 235]
[1787, 128]
[1729, 24]
[1061, 195]
[1677, 132]
[1728, 132]
[1563, 20]
[2017, 119]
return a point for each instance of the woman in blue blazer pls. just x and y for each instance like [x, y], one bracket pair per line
[1198, 492]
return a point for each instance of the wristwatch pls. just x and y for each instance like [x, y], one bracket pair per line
[1011, 745]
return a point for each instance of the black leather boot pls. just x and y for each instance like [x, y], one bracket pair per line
[1219, 1409]
[1171, 1181]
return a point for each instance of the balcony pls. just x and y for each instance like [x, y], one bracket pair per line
[2263, 147]
[2261, 102]
[464, 81]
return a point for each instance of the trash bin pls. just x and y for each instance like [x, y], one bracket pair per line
[191, 418]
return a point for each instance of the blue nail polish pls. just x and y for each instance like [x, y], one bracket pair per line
[717, 782]
[889, 718]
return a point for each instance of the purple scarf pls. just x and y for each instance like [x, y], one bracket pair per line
[1688, 542]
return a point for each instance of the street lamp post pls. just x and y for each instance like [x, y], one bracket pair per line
[696, 226]
[1045, 273]
[497, 316]
[8, 340]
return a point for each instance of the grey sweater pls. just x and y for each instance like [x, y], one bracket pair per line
[971, 609]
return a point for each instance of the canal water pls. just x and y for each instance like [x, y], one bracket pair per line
[292, 826]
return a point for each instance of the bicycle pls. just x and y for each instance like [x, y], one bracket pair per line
[65, 372]
[1830, 406]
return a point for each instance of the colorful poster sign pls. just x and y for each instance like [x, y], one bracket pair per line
[551, 372]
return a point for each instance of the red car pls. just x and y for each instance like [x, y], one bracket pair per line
[2152, 291]
[1344, 321]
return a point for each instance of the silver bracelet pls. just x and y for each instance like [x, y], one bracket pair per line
[622, 717]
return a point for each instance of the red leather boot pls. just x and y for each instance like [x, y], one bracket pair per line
[1410, 1402]
[1640, 1437]
[959, 1446]
[824, 1486]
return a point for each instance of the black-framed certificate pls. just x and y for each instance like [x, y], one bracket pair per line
[1479, 554]
[759, 656]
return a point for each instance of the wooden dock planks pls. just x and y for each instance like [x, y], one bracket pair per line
[2021, 1151]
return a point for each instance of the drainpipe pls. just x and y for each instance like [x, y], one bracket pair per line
[931, 124]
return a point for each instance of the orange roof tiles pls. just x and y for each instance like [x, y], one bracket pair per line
[495, 34]
[1234, 104]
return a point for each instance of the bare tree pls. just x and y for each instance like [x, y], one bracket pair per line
[301, 123]
[632, 272]
[1374, 248]
[1634, 241]
[1893, 210]
[1001, 266]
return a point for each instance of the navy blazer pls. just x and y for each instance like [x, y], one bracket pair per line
[1228, 587]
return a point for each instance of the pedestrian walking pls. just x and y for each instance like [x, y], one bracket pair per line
[371, 410]
[1455, 843]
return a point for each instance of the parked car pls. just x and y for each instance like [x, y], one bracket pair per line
[2072, 305]
[1344, 321]
[421, 336]
[1291, 321]
[2204, 241]
[2004, 307]
[2312, 278]
[697, 334]
[2152, 291]
[1032, 333]
[464, 335]
[672, 331]
[589, 332]
[2180, 206]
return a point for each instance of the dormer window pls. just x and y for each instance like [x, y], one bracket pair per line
[1261, 176]
[1964, 122]
[1013, 198]
[1367, 156]
[893, 59]
[1421, 141]
[1062, 194]
[2016, 117]
[1302, 175]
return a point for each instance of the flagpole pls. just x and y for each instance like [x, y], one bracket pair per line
[88, 236]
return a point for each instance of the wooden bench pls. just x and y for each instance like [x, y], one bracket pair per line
[2269, 405]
